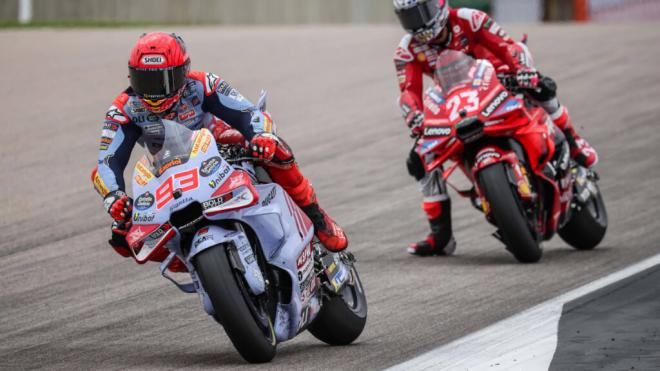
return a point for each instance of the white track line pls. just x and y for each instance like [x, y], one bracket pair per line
[525, 341]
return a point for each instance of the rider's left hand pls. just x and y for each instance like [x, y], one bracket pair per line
[527, 78]
[263, 146]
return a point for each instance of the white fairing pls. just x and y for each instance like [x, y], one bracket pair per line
[284, 231]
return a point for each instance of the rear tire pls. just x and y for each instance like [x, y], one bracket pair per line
[342, 317]
[509, 217]
[218, 279]
[587, 227]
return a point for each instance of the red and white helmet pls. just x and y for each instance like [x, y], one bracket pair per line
[424, 19]
[158, 67]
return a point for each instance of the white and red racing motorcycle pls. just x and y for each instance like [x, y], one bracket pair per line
[249, 249]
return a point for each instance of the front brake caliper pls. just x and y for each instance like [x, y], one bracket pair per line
[335, 269]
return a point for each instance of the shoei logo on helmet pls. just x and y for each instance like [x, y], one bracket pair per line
[152, 59]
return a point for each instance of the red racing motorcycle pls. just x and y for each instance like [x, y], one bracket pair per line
[518, 162]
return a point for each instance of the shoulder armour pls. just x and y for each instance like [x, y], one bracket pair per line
[474, 17]
[209, 80]
[402, 52]
[117, 112]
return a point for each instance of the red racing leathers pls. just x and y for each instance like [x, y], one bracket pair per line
[475, 33]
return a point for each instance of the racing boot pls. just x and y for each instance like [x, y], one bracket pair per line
[285, 172]
[581, 151]
[327, 230]
[441, 240]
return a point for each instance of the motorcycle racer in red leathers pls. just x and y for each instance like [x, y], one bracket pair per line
[162, 86]
[432, 26]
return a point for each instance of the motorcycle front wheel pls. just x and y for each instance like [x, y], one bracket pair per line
[229, 297]
[509, 216]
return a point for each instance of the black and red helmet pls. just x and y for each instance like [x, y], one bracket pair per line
[158, 68]
[424, 19]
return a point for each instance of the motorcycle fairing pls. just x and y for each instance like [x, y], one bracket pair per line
[173, 190]
[285, 234]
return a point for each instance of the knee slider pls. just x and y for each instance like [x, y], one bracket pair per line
[415, 166]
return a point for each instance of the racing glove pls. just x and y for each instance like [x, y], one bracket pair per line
[118, 239]
[263, 146]
[414, 120]
[527, 78]
[118, 205]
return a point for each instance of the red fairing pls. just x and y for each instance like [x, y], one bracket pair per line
[157, 50]
[138, 232]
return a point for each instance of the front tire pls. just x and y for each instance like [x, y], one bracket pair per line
[229, 302]
[588, 224]
[342, 317]
[509, 217]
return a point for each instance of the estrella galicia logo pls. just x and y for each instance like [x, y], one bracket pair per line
[209, 166]
[144, 201]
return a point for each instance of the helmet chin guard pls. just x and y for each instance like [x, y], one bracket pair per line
[424, 19]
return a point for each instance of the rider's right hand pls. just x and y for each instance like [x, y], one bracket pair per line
[118, 205]
[414, 120]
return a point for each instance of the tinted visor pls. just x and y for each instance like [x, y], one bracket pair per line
[420, 16]
[158, 83]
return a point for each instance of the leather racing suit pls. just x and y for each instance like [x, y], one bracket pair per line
[474, 33]
[206, 101]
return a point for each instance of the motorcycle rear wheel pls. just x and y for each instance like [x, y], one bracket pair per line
[342, 317]
[508, 214]
[587, 226]
[231, 309]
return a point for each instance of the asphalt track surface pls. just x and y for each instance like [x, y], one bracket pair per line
[615, 328]
[67, 301]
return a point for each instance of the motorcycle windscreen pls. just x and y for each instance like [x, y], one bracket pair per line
[168, 144]
[455, 68]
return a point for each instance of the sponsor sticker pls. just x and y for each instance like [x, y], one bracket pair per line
[143, 172]
[487, 155]
[153, 59]
[116, 115]
[495, 103]
[437, 131]
[175, 162]
[100, 186]
[305, 257]
[143, 218]
[269, 197]
[210, 166]
[217, 201]
[144, 201]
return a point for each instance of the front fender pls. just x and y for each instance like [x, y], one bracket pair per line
[491, 155]
[242, 258]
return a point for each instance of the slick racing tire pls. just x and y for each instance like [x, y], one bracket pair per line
[342, 317]
[588, 224]
[509, 216]
[255, 344]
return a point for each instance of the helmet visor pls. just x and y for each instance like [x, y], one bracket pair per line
[420, 16]
[158, 83]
